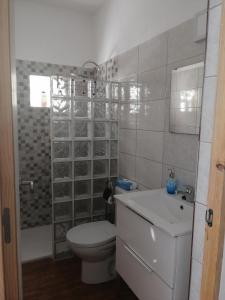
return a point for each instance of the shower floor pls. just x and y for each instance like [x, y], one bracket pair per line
[36, 243]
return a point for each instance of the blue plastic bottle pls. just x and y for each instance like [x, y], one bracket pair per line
[171, 185]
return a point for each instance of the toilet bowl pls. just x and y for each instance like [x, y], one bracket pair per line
[94, 243]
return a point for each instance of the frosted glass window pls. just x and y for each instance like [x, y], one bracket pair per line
[82, 208]
[99, 185]
[82, 169]
[62, 171]
[62, 211]
[113, 149]
[39, 91]
[100, 168]
[100, 149]
[82, 149]
[82, 189]
[61, 230]
[113, 167]
[62, 150]
[98, 206]
[84, 119]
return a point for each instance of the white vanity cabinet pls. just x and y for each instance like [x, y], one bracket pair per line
[155, 264]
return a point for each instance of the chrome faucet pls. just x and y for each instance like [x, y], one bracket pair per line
[187, 193]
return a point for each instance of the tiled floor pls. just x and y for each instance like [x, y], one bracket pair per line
[47, 280]
[36, 243]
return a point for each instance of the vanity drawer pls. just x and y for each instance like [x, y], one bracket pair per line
[151, 244]
[140, 278]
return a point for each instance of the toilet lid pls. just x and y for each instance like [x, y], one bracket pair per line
[92, 234]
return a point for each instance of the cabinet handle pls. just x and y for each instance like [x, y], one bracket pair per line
[138, 259]
[138, 214]
[209, 217]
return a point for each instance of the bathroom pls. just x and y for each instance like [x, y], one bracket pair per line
[114, 105]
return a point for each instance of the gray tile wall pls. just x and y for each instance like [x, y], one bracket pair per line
[34, 145]
[147, 148]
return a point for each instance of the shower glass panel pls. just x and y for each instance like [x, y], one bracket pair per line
[84, 145]
[62, 151]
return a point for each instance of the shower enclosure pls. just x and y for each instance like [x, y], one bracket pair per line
[84, 152]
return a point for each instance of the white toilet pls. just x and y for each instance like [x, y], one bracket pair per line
[95, 244]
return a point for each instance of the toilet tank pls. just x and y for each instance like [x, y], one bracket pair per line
[119, 191]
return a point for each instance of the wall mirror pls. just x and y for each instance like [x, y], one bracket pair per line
[186, 99]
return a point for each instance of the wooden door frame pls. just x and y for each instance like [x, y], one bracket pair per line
[9, 270]
[214, 236]
[213, 252]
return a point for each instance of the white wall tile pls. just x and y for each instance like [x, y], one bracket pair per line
[141, 187]
[183, 177]
[148, 173]
[129, 78]
[127, 141]
[154, 84]
[167, 115]
[153, 53]
[213, 41]
[181, 43]
[151, 119]
[150, 145]
[196, 276]
[213, 3]
[127, 166]
[203, 172]
[199, 232]
[151, 115]
[128, 115]
[127, 63]
[181, 151]
[208, 109]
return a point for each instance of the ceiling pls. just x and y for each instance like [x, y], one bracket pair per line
[87, 5]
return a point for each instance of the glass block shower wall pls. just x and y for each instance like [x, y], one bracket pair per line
[84, 143]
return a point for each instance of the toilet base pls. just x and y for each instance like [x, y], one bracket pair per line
[98, 272]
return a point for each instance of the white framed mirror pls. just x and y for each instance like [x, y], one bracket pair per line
[186, 99]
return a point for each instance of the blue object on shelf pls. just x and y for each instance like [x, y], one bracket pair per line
[125, 184]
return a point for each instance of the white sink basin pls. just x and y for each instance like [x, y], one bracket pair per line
[167, 212]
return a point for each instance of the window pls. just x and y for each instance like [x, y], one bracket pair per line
[39, 91]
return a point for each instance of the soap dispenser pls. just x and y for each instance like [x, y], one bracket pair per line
[171, 182]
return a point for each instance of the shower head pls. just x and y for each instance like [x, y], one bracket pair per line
[90, 62]
[82, 73]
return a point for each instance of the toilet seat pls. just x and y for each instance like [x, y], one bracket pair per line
[92, 234]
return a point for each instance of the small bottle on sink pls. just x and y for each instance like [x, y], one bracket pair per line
[171, 185]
